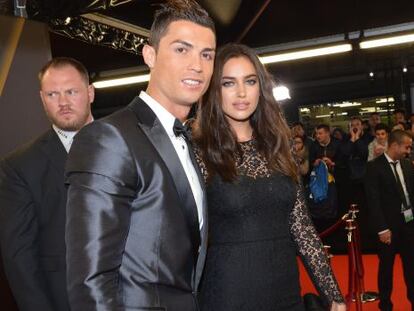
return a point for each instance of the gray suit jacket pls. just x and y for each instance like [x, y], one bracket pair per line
[133, 238]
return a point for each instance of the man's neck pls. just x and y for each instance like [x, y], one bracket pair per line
[324, 144]
[179, 111]
[392, 155]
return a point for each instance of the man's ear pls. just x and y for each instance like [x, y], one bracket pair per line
[149, 55]
[91, 93]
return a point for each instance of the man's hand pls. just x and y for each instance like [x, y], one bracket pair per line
[338, 306]
[385, 237]
[355, 133]
[328, 162]
[316, 163]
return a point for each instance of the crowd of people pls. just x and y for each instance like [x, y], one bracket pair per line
[370, 165]
[137, 212]
[346, 153]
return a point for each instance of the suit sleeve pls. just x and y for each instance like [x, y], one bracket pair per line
[372, 189]
[19, 242]
[101, 179]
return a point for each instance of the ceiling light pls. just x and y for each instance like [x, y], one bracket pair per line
[347, 104]
[281, 92]
[367, 44]
[282, 57]
[121, 81]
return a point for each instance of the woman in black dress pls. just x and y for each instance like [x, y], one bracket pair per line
[257, 215]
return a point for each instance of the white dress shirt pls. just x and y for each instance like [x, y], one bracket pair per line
[167, 120]
[401, 175]
[66, 137]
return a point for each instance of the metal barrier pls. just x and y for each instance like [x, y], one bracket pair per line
[356, 288]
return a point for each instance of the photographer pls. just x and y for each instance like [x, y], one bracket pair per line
[354, 151]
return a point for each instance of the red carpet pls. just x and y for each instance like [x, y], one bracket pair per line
[340, 267]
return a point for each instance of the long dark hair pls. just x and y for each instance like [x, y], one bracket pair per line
[214, 136]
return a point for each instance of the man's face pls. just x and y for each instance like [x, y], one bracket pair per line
[399, 117]
[182, 65]
[322, 136]
[374, 119]
[403, 150]
[356, 124]
[66, 98]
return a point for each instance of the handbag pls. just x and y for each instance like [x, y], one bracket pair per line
[313, 302]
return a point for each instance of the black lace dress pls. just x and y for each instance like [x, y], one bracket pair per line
[257, 226]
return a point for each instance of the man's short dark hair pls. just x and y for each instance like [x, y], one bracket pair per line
[324, 126]
[399, 110]
[397, 136]
[382, 126]
[60, 62]
[353, 118]
[177, 10]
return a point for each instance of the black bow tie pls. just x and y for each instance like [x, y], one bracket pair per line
[179, 129]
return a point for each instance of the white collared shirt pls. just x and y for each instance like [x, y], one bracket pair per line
[66, 137]
[167, 120]
[400, 174]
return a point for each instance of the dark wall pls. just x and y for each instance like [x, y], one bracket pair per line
[21, 113]
[24, 48]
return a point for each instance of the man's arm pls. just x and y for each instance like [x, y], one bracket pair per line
[372, 182]
[19, 242]
[102, 180]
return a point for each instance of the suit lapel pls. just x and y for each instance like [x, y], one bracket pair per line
[406, 169]
[53, 149]
[156, 133]
[390, 175]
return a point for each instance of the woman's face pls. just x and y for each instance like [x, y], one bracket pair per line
[239, 90]
[297, 144]
[381, 136]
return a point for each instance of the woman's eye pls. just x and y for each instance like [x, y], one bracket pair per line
[251, 81]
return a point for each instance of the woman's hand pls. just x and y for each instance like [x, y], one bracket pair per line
[338, 306]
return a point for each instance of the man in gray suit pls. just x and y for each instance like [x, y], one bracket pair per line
[33, 194]
[136, 212]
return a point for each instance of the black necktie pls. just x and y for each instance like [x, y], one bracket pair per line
[399, 185]
[179, 129]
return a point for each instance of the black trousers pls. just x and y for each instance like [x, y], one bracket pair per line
[402, 242]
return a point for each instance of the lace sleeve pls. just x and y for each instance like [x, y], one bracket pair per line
[311, 251]
[200, 162]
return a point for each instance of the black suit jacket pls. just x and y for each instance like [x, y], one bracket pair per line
[383, 198]
[132, 229]
[32, 222]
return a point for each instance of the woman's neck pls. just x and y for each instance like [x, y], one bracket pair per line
[243, 131]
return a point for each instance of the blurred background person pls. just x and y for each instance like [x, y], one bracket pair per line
[338, 133]
[301, 154]
[298, 129]
[374, 119]
[399, 117]
[380, 142]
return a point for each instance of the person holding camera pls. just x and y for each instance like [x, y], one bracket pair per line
[355, 155]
